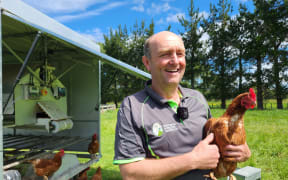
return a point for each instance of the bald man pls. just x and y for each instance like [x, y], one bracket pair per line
[159, 132]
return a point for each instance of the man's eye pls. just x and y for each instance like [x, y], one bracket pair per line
[164, 55]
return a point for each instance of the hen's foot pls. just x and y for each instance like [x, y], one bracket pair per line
[93, 156]
[231, 177]
[210, 175]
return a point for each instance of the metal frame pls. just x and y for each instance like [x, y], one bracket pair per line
[25, 14]
[1, 98]
[28, 15]
[20, 73]
[20, 59]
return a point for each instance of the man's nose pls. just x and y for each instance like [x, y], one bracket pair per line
[174, 58]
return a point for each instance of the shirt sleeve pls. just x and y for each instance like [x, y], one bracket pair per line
[128, 139]
[205, 103]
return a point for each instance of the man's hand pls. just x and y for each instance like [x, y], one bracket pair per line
[206, 155]
[235, 153]
[203, 156]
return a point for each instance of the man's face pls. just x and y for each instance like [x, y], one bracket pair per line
[167, 63]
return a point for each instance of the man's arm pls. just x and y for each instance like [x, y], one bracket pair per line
[240, 153]
[203, 156]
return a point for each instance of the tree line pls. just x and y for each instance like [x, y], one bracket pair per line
[246, 50]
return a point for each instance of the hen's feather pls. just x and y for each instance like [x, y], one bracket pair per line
[97, 175]
[229, 129]
[93, 146]
[46, 167]
[83, 174]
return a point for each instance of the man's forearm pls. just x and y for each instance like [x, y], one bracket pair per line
[156, 169]
[203, 156]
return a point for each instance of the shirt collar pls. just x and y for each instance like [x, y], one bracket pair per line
[155, 96]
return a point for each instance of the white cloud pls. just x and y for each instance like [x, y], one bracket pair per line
[173, 18]
[204, 14]
[95, 35]
[62, 6]
[160, 21]
[158, 8]
[94, 12]
[139, 8]
[205, 37]
[65, 18]
[242, 1]
[139, 5]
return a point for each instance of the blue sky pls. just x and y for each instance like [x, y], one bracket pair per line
[93, 18]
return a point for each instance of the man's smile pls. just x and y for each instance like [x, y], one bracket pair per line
[172, 70]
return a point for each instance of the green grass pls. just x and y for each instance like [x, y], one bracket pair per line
[267, 133]
[267, 137]
[108, 124]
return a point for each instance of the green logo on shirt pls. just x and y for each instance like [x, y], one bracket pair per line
[157, 129]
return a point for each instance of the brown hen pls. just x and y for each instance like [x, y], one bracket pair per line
[46, 167]
[229, 129]
[97, 175]
[83, 174]
[93, 147]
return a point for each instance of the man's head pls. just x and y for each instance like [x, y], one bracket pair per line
[164, 58]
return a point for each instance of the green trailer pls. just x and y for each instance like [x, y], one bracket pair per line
[50, 90]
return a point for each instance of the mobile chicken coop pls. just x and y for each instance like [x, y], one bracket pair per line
[50, 89]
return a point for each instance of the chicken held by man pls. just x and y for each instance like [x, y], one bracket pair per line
[93, 147]
[229, 130]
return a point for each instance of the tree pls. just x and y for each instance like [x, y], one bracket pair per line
[256, 50]
[220, 55]
[267, 30]
[127, 48]
[239, 41]
[274, 15]
[135, 42]
[115, 46]
[191, 37]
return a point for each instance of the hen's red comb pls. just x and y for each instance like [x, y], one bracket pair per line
[252, 94]
[62, 150]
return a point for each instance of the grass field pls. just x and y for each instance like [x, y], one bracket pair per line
[267, 136]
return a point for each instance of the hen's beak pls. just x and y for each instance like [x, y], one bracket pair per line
[253, 104]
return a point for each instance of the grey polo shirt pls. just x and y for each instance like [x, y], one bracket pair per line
[148, 127]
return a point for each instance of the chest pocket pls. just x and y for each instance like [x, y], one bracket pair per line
[159, 145]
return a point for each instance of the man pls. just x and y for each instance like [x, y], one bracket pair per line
[153, 140]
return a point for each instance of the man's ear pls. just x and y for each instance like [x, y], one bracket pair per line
[146, 62]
